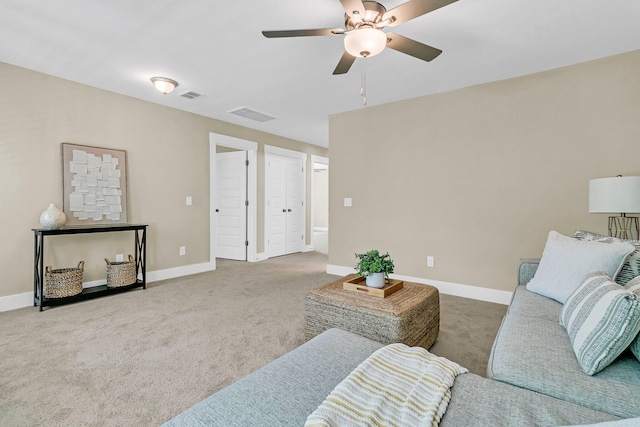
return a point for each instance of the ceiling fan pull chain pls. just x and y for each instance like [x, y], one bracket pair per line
[363, 89]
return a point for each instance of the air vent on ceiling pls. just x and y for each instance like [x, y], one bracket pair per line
[251, 114]
[190, 95]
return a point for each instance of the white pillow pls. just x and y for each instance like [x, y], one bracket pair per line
[567, 261]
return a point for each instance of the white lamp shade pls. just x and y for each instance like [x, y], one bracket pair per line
[365, 42]
[615, 195]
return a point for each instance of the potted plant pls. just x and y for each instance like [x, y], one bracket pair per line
[375, 267]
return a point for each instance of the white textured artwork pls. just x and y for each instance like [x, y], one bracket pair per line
[91, 177]
[94, 184]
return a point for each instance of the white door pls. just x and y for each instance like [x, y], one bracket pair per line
[295, 208]
[277, 205]
[285, 205]
[231, 181]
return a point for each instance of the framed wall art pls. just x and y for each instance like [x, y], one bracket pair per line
[94, 183]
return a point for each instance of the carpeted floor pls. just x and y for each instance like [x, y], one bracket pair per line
[141, 357]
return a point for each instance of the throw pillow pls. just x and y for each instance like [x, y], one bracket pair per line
[566, 261]
[634, 286]
[602, 318]
[630, 267]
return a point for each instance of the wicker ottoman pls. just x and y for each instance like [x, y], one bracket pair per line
[410, 315]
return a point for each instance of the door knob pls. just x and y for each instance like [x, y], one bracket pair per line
[217, 210]
[288, 210]
[284, 210]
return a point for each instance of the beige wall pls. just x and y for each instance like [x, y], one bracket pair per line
[167, 160]
[477, 177]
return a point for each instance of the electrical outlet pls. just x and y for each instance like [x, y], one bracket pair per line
[120, 258]
[430, 261]
[183, 250]
[189, 200]
[348, 202]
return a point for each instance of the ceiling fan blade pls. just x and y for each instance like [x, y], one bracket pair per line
[355, 9]
[303, 33]
[412, 9]
[412, 47]
[345, 63]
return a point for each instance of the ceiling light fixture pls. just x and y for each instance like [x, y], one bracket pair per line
[365, 42]
[164, 84]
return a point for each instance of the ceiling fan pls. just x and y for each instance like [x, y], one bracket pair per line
[364, 21]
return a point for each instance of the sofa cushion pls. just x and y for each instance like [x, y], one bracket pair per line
[602, 319]
[566, 261]
[534, 305]
[630, 267]
[536, 354]
[480, 402]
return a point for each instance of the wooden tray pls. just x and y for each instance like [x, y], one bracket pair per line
[357, 285]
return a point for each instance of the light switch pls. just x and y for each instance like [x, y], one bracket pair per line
[347, 201]
[189, 201]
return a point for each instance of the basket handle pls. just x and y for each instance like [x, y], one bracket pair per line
[108, 262]
[81, 265]
[130, 258]
[48, 269]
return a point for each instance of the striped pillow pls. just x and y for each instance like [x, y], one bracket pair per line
[602, 318]
[634, 286]
[630, 267]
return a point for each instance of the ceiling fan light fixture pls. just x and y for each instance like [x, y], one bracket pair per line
[164, 84]
[365, 42]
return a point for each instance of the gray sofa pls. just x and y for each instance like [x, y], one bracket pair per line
[287, 390]
[538, 381]
[533, 351]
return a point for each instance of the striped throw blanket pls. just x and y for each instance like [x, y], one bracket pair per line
[396, 386]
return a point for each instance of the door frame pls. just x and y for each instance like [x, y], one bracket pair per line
[270, 150]
[323, 161]
[251, 148]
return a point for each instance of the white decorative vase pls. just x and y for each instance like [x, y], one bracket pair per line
[375, 280]
[53, 218]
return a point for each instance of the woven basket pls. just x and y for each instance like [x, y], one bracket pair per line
[121, 273]
[63, 282]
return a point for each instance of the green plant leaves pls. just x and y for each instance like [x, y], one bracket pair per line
[373, 262]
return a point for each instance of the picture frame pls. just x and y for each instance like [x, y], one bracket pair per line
[94, 183]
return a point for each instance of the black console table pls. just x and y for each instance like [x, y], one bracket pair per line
[39, 299]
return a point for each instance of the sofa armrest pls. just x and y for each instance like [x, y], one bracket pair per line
[526, 269]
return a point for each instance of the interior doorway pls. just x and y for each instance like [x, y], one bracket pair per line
[320, 204]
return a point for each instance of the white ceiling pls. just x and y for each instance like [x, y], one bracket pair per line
[216, 48]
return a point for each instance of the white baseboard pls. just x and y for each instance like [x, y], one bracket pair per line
[185, 270]
[448, 288]
[12, 302]
[92, 284]
[259, 257]
[320, 228]
[307, 248]
[339, 270]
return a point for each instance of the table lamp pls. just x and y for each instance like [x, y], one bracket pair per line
[621, 195]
